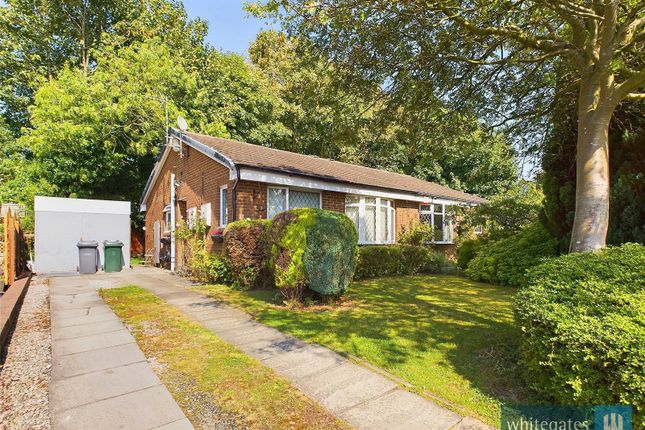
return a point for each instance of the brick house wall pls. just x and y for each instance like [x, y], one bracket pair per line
[200, 179]
[406, 215]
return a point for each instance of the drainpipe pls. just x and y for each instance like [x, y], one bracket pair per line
[173, 217]
[234, 193]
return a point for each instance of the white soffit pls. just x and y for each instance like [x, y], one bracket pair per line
[59, 204]
[315, 184]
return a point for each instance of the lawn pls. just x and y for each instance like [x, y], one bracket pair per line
[212, 381]
[446, 335]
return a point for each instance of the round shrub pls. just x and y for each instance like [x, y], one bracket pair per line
[505, 261]
[312, 248]
[582, 318]
[247, 249]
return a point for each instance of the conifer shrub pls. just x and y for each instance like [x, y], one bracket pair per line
[312, 248]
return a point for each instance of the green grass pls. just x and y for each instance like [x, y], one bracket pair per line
[135, 261]
[446, 335]
[203, 372]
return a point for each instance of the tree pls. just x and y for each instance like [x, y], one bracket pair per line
[331, 113]
[481, 48]
[626, 169]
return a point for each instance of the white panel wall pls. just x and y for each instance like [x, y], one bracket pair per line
[61, 223]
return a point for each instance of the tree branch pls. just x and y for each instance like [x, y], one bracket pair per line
[632, 84]
[635, 96]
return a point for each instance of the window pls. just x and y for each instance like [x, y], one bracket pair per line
[166, 217]
[435, 215]
[282, 199]
[373, 218]
[223, 205]
[191, 217]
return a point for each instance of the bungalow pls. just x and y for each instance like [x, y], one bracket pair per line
[222, 180]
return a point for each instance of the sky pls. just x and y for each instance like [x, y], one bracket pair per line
[229, 28]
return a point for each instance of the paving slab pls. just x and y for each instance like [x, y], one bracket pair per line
[70, 332]
[400, 409]
[363, 398]
[146, 409]
[91, 387]
[95, 360]
[88, 318]
[87, 343]
[100, 377]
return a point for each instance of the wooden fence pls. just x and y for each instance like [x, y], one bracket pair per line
[13, 248]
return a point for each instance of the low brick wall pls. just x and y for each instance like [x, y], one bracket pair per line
[10, 303]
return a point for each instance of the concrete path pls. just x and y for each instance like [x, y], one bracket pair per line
[361, 397]
[100, 378]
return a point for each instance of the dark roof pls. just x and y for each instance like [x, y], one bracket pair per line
[261, 157]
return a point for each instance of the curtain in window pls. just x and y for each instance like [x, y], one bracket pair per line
[277, 201]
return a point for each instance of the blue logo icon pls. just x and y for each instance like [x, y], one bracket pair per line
[617, 417]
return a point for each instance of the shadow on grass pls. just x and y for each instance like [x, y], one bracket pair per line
[425, 329]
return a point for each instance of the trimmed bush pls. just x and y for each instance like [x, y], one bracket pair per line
[247, 249]
[505, 261]
[312, 248]
[376, 261]
[582, 318]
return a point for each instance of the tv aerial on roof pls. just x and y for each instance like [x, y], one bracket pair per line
[181, 122]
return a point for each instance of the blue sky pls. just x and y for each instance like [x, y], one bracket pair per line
[229, 27]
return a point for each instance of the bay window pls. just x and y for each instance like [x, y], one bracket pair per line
[373, 218]
[281, 199]
[436, 216]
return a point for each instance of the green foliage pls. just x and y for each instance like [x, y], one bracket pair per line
[330, 255]
[466, 251]
[418, 234]
[505, 214]
[376, 261]
[312, 248]
[583, 322]
[247, 249]
[332, 113]
[206, 267]
[505, 261]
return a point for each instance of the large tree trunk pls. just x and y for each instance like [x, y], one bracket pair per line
[591, 219]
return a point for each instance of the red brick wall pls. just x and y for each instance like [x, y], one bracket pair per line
[251, 200]
[333, 201]
[406, 215]
[200, 179]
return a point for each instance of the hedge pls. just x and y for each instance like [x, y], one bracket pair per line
[312, 248]
[582, 318]
[376, 261]
[247, 248]
[505, 261]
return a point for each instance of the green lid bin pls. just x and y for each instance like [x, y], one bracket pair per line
[113, 255]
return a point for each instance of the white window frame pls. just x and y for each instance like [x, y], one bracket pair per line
[166, 218]
[288, 206]
[223, 206]
[443, 213]
[391, 230]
